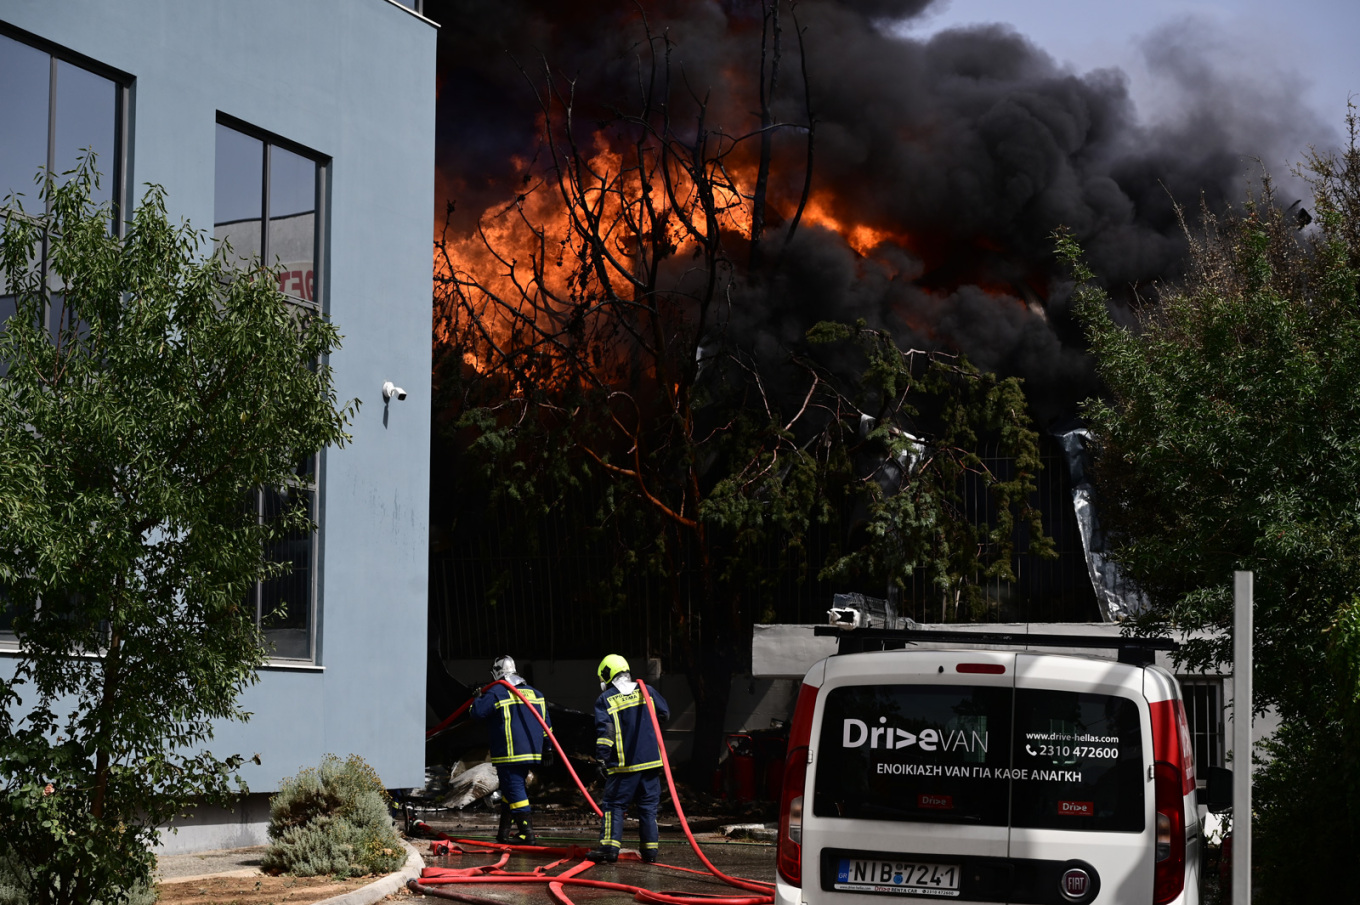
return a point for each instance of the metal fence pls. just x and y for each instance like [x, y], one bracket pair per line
[560, 600]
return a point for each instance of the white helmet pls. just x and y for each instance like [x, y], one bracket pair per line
[502, 666]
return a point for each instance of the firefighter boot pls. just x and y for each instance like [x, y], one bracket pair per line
[606, 853]
[524, 829]
[503, 833]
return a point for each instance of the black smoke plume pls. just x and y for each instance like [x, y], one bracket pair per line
[965, 151]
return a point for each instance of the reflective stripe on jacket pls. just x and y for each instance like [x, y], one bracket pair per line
[624, 739]
[513, 734]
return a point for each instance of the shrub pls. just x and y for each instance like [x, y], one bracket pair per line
[11, 890]
[334, 820]
[12, 886]
[1304, 800]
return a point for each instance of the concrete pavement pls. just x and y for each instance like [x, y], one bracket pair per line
[245, 862]
[743, 852]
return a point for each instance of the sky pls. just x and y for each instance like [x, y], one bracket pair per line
[1304, 49]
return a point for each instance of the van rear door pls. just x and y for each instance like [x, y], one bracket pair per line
[911, 760]
[1081, 800]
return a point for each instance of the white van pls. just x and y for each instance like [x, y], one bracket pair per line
[989, 776]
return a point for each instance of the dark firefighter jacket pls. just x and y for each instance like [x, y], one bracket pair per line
[515, 736]
[624, 739]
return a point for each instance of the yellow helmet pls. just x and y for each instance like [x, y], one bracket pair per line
[610, 667]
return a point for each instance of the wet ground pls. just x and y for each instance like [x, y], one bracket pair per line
[678, 869]
[233, 877]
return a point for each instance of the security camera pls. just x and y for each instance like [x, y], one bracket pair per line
[390, 389]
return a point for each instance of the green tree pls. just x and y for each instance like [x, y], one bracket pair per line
[132, 431]
[590, 333]
[1230, 439]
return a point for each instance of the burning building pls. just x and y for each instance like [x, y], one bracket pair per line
[639, 195]
[936, 170]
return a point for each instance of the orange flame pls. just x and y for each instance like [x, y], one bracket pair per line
[862, 237]
[530, 270]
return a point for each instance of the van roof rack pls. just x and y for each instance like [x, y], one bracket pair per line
[850, 640]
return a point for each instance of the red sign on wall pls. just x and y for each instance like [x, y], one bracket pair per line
[298, 281]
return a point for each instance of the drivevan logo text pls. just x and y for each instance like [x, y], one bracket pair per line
[857, 733]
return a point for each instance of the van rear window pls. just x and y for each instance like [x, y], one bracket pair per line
[926, 753]
[981, 755]
[1083, 754]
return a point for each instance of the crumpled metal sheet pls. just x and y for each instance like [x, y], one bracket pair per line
[1117, 596]
[472, 784]
[859, 611]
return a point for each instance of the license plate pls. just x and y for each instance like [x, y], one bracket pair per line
[913, 878]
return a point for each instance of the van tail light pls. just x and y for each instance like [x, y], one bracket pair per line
[1171, 740]
[1169, 871]
[789, 858]
[1173, 778]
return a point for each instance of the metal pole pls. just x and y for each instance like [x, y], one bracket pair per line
[1241, 823]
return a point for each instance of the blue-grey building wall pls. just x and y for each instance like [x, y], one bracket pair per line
[353, 80]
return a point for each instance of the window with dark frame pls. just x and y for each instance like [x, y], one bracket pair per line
[6, 617]
[55, 107]
[266, 203]
[268, 208]
[1204, 714]
[285, 605]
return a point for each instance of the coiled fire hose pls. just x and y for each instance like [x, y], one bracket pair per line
[492, 873]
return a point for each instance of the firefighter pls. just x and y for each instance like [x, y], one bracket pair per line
[628, 753]
[516, 743]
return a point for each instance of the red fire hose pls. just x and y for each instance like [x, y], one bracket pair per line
[556, 747]
[756, 885]
[451, 718]
[557, 884]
